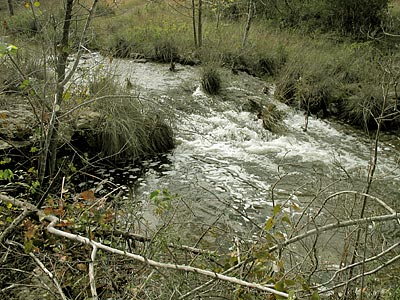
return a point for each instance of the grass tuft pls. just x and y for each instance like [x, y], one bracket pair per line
[127, 129]
[211, 81]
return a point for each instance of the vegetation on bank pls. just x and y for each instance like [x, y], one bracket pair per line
[329, 58]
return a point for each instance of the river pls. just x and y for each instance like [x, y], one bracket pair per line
[226, 165]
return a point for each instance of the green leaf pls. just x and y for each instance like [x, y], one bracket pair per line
[34, 149]
[277, 209]
[36, 3]
[154, 194]
[286, 219]
[279, 286]
[3, 50]
[289, 282]
[24, 84]
[315, 295]
[12, 49]
[67, 96]
[269, 224]
[292, 295]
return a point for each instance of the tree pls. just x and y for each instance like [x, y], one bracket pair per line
[10, 7]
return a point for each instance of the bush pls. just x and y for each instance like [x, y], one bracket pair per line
[165, 51]
[355, 17]
[211, 81]
[121, 47]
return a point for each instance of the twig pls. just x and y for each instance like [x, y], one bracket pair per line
[387, 263]
[372, 258]
[332, 226]
[13, 225]
[86, 241]
[44, 269]
[92, 278]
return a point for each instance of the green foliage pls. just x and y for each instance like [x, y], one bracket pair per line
[356, 18]
[6, 174]
[211, 80]
[162, 200]
[22, 24]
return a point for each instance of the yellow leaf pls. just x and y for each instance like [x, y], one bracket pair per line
[269, 224]
[27, 5]
[9, 205]
[36, 3]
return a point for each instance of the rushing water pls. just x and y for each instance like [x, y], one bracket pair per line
[226, 162]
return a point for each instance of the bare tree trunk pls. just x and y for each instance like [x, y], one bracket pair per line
[194, 23]
[200, 25]
[11, 7]
[218, 13]
[48, 157]
[248, 23]
[62, 57]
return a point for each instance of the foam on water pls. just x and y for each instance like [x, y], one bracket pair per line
[226, 153]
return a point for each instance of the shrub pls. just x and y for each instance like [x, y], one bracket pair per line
[121, 47]
[355, 17]
[211, 81]
[165, 51]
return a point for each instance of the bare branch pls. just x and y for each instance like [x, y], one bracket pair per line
[13, 225]
[336, 225]
[86, 241]
[44, 269]
[92, 278]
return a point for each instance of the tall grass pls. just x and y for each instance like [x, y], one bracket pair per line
[127, 129]
[318, 72]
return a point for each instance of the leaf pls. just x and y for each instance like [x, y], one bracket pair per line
[286, 219]
[36, 3]
[292, 295]
[88, 195]
[28, 246]
[277, 209]
[34, 149]
[290, 282]
[3, 116]
[48, 210]
[315, 295]
[9, 205]
[269, 224]
[279, 286]
[81, 267]
[67, 96]
[154, 194]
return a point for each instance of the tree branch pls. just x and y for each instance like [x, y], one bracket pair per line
[332, 226]
[86, 241]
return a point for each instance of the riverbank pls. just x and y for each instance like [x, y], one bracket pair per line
[350, 76]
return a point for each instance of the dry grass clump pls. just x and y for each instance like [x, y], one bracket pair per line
[127, 129]
[272, 118]
[211, 80]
